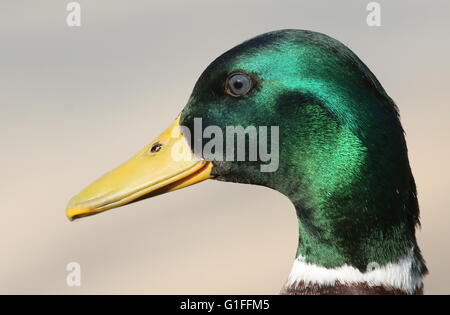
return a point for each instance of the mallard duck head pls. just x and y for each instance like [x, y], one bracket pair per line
[296, 111]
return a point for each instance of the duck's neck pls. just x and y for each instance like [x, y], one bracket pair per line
[347, 245]
[360, 238]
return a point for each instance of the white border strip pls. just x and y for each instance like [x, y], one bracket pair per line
[400, 275]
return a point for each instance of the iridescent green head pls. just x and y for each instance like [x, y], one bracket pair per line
[342, 154]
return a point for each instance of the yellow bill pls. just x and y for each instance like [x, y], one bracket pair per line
[166, 164]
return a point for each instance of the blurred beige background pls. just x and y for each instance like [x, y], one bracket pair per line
[75, 102]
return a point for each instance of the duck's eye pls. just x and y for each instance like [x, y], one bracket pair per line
[238, 84]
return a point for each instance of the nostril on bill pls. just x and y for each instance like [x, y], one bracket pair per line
[156, 147]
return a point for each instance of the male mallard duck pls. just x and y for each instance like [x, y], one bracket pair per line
[342, 160]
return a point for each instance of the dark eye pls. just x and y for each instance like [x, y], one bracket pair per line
[238, 84]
